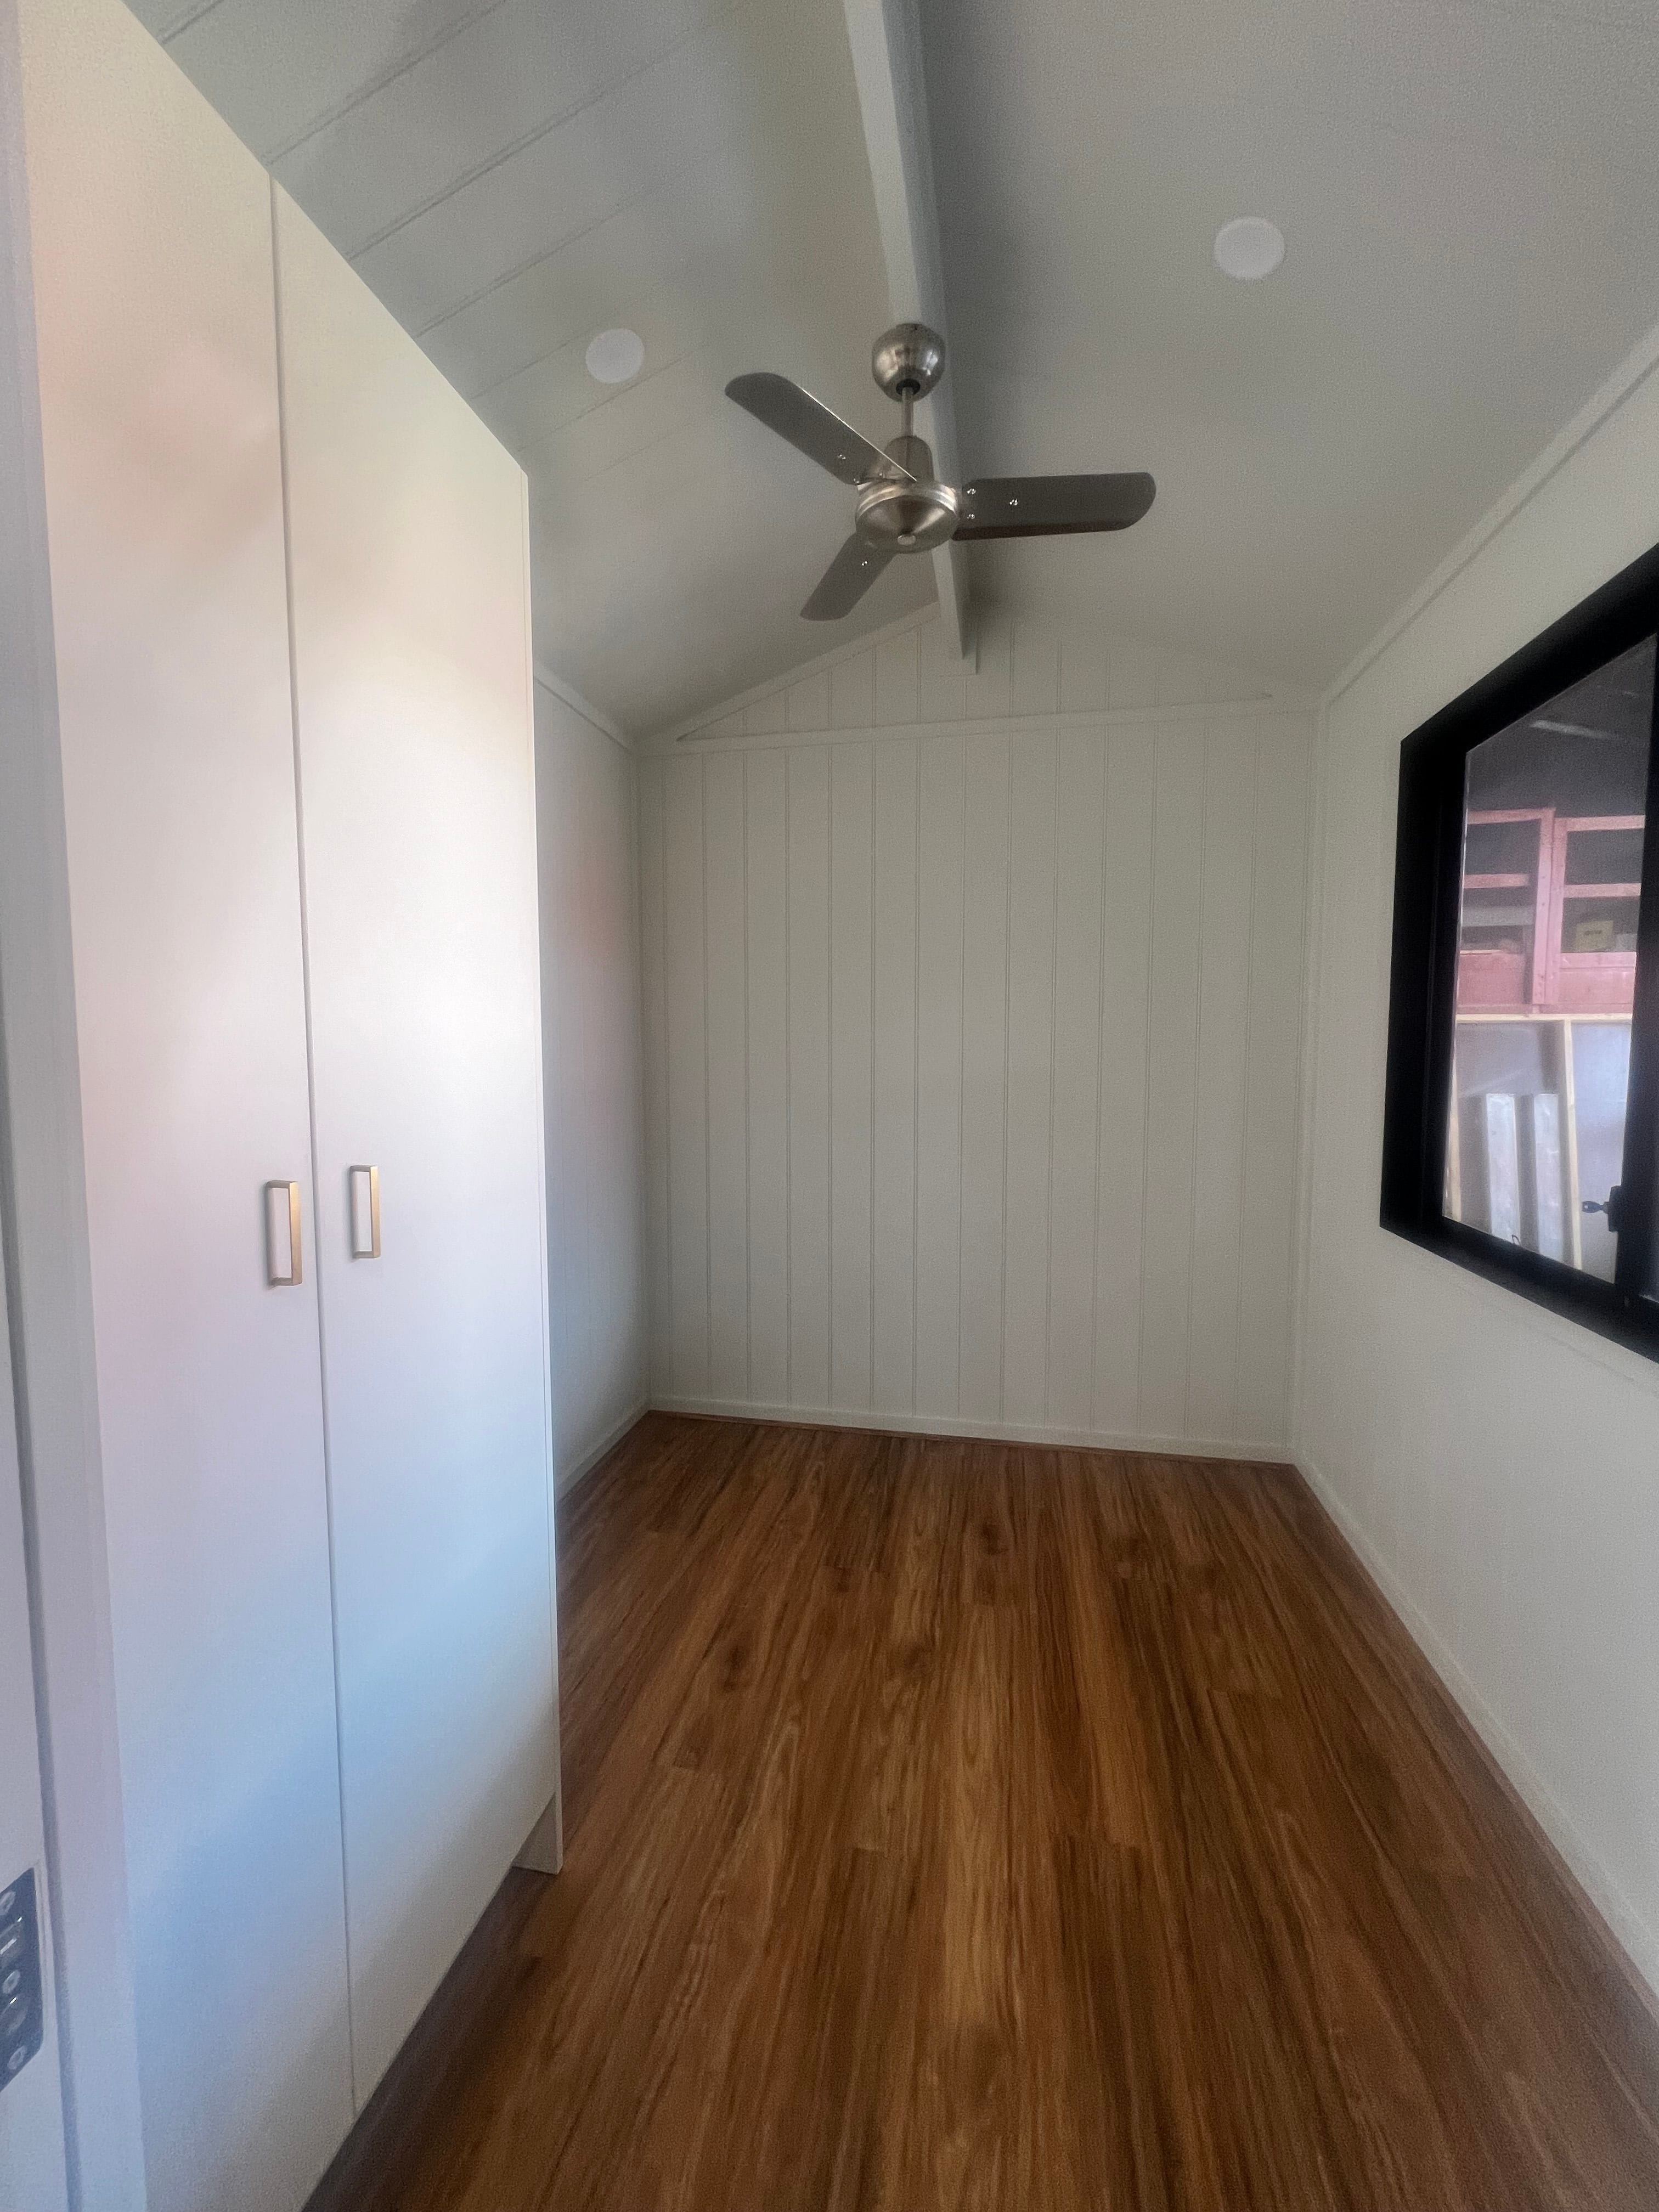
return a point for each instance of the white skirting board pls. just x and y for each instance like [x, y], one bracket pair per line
[543, 1849]
[1011, 1432]
[1623, 1925]
[579, 1471]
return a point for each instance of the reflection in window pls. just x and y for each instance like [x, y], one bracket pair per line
[1546, 967]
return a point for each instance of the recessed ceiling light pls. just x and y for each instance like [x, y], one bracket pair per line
[615, 355]
[1250, 246]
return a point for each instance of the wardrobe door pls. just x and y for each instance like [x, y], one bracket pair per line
[409, 589]
[154, 301]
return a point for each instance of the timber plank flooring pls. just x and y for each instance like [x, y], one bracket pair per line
[957, 1825]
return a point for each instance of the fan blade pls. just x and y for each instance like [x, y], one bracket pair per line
[846, 580]
[811, 427]
[1052, 507]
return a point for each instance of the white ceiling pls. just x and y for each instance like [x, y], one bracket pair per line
[1470, 193]
[1467, 188]
[511, 176]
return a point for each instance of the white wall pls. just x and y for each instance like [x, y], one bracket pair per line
[585, 787]
[1499, 1467]
[973, 1004]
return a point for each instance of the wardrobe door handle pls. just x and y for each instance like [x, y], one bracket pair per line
[363, 1186]
[283, 1267]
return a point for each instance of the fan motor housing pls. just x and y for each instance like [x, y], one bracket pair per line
[908, 358]
[909, 516]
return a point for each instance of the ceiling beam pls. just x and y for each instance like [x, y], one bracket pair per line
[886, 42]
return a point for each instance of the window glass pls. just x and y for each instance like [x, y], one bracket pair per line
[1553, 837]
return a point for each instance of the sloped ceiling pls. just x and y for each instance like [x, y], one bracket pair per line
[1468, 191]
[1467, 188]
[511, 176]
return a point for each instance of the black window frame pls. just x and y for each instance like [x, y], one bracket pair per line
[1423, 992]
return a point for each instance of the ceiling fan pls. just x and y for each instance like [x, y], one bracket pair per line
[901, 507]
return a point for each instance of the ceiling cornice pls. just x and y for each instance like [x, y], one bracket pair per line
[589, 712]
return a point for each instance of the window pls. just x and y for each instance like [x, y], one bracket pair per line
[1521, 1123]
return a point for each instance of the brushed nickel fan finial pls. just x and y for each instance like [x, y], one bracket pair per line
[908, 361]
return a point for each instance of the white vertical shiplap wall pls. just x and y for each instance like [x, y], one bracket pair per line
[973, 1046]
[909, 673]
[586, 803]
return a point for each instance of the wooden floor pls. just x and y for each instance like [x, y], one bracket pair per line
[966, 1825]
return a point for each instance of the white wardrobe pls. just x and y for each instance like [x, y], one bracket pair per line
[288, 585]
